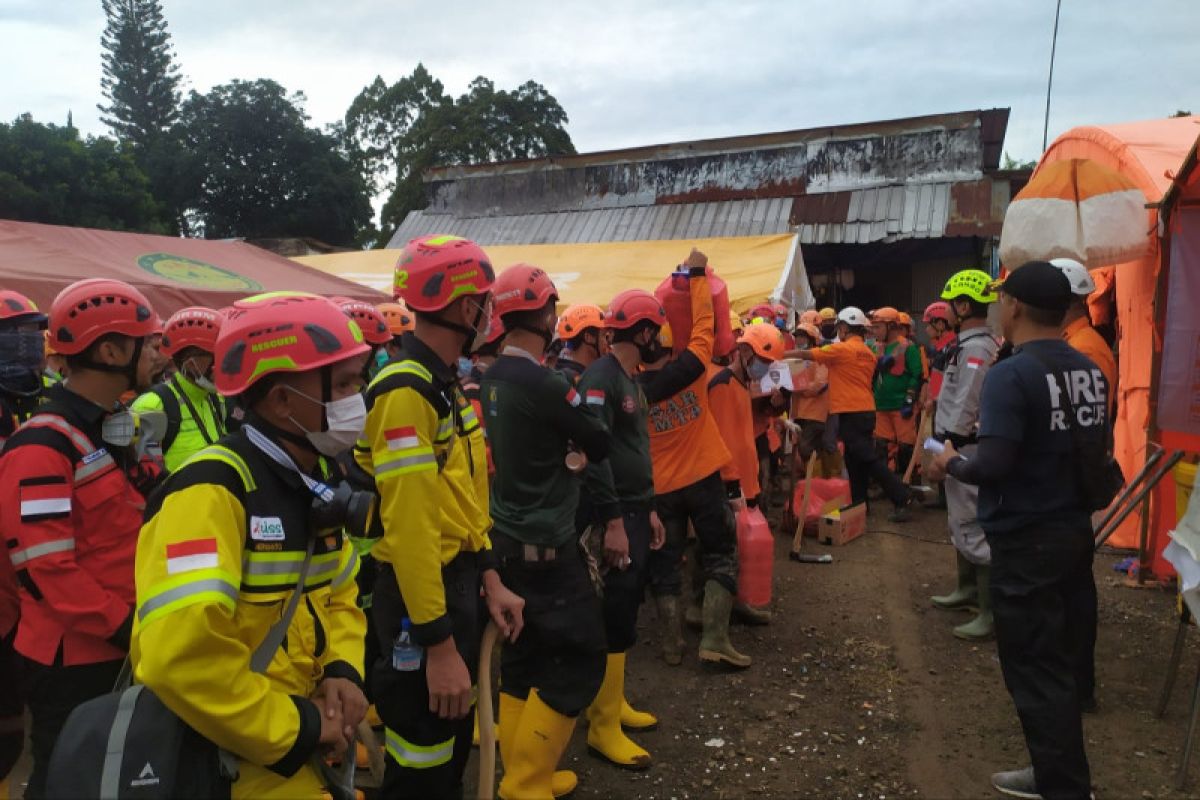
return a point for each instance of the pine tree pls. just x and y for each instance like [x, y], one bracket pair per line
[141, 80]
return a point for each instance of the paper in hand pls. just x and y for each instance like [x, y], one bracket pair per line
[779, 376]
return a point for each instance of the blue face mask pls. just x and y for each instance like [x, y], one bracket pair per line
[757, 369]
[464, 367]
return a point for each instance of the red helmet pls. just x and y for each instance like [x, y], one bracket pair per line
[811, 331]
[16, 307]
[495, 329]
[764, 339]
[88, 309]
[577, 319]
[191, 327]
[764, 310]
[522, 287]
[399, 319]
[938, 310]
[631, 307]
[373, 325]
[282, 332]
[434, 271]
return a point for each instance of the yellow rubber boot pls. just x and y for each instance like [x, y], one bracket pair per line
[563, 782]
[634, 720]
[605, 737]
[534, 749]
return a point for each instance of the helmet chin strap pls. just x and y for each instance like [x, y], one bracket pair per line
[547, 336]
[129, 370]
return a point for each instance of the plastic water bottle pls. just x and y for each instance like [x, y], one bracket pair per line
[406, 654]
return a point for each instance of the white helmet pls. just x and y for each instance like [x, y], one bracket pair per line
[854, 317]
[1081, 280]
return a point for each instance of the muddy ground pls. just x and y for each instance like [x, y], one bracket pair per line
[859, 690]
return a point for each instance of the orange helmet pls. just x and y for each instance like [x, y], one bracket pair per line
[631, 307]
[398, 318]
[905, 319]
[764, 339]
[810, 317]
[886, 314]
[577, 319]
[88, 309]
[282, 332]
[434, 271]
[191, 327]
[811, 331]
[370, 321]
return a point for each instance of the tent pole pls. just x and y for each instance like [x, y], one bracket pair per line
[1050, 79]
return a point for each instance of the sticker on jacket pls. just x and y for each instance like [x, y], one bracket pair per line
[266, 529]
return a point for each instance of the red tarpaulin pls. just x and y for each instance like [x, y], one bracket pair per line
[40, 260]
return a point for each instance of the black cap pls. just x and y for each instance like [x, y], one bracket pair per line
[1039, 284]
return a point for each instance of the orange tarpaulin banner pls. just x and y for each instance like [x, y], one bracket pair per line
[753, 267]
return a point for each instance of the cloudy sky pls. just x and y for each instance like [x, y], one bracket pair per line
[634, 72]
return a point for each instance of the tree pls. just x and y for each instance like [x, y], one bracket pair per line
[257, 170]
[48, 174]
[141, 80]
[1181, 113]
[396, 132]
[1012, 163]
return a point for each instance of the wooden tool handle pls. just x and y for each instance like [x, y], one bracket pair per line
[487, 721]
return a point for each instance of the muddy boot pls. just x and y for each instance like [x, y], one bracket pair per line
[671, 632]
[693, 614]
[715, 647]
[982, 627]
[749, 615]
[965, 593]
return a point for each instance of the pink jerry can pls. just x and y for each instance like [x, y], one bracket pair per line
[756, 558]
[673, 293]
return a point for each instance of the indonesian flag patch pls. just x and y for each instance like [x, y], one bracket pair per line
[573, 397]
[191, 555]
[401, 438]
[595, 397]
[45, 500]
[974, 363]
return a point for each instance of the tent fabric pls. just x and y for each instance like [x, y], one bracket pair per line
[753, 267]
[1149, 153]
[40, 260]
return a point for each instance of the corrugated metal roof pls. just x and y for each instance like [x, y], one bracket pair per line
[885, 213]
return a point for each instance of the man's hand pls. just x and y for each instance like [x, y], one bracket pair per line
[616, 544]
[506, 607]
[696, 259]
[334, 740]
[343, 696]
[658, 532]
[449, 681]
[937, 470]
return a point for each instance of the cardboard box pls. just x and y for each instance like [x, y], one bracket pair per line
[843, 526]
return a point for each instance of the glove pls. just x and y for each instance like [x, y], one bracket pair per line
[906, 410]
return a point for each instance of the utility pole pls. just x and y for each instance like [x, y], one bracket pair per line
[1050, 80]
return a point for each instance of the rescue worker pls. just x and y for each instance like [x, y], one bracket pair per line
[851, 400]
[620, 499]
[55, 365]
[70, 511]
[581, 329]
[224, 543]
[537, 425]
[375, 329]
[481, 361]
[399, 322]
[828, 325]
[897, 380]
[688, 453]
[196, 414]
[957, 421]
[939, 328]
[810, 408]
[729, 401]
[424, 447]
[1077, 325]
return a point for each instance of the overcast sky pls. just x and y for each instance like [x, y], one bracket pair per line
[632, 72]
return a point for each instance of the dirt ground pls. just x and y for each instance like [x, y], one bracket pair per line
[859, 690]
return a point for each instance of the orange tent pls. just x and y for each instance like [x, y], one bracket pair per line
[1149, 153]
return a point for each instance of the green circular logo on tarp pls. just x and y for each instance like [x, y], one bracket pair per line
[196, 273]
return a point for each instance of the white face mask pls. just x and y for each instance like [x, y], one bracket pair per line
[484, 325]
[199, 378]
[345, 420]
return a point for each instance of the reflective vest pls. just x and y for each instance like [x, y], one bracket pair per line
[195, 418]
[217, 561]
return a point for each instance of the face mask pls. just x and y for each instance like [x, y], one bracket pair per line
[464, 367]
[118, 429]
[21, 362]
[201, 379]
[757, 369]
[651, 351]
[345, 420]
[481, 326]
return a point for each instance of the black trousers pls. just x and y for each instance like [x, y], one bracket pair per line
[52, 693]
[12, 706]
[561, 649]
[368, 571]
[623, 589]
[1044, 602]
[426, 754]
[705, 505]
[857, 432]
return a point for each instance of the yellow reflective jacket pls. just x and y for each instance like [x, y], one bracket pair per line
[187, 433]
[217, 562]
[424, 446]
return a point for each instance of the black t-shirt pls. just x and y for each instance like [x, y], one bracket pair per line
[1024, 402]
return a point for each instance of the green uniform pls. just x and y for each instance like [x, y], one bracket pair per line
[891, 390]
[622, 407]
[531, 413]
[195, 418]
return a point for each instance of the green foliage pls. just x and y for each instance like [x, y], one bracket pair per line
[1181, 113]
[48, 174]
[398, 131]
[1012, 163]
[257, 170]
[140, 81]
